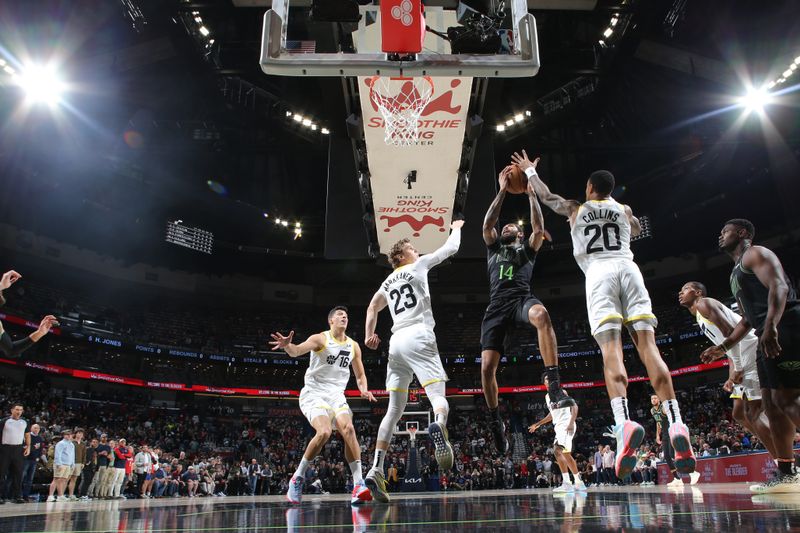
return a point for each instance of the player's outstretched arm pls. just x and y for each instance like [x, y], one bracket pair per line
[377, 304]
[361, 377]
[767, 268]
[536, 239]
[450, 247]
[557, 203]
[493, 214]
[280, 342]
[540, 423]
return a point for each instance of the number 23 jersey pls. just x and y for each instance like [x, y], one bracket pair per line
[329, 368]
[601, 231]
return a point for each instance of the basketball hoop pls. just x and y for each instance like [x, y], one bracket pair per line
[401, 101]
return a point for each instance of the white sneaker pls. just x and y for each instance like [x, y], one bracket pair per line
[564, 487]
[51, 499]
[295, 492]
[62, 499]
[676, 482]
[694, 477]
[580, 485]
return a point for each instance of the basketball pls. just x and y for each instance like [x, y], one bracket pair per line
[517, 180]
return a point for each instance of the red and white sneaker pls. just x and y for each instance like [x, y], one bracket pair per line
[629, 437]
[681, 443]
[295, 492]
[361, 494]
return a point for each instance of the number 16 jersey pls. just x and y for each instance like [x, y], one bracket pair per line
[601, 231]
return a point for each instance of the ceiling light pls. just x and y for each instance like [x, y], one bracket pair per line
[284, 223]
[297, 225]
[601, 42]
[520, 222]
[787, 73]
[501, 127]
[509, 122]
[608, 32]
[314, 127]
[528, 113]
[266, 215]
[614, 20]
[519, 117]
[41, 84]
[306, 122]
[755, 99]
[198, 20]
[204, 31]
[288, 113]
[277, 221]
[298, 118]
[325, 131]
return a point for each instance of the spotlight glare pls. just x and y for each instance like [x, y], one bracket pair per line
[204, 31]
[41, 84]
[797, 60]
[787, 73]
[266, 215]
[520, 222]
[755, 99]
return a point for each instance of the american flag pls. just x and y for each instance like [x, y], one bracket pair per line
[301, 47]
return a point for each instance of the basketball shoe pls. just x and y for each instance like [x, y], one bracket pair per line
[444, 451]
[684, 456]
[499, 432]
[376, 482]
[629, 437]
[361, 494]
[295, 492]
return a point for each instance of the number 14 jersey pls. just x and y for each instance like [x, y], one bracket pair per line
[601, 231]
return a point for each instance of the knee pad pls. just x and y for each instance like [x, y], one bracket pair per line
[397, 404]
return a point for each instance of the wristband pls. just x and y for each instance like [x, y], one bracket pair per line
[723, 346]
[530, 172]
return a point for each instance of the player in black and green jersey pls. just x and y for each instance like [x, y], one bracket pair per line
[510, 266]
[770, 306]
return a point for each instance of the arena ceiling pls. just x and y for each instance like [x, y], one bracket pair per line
[158, 123]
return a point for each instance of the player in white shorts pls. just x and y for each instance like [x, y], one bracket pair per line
[563, 420]
[322, 399]
[601, 230]
[717, 321]
[412, 349]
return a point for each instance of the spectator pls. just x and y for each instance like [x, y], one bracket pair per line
[266, 478]
[253, 472]
[80, 460]
[192, 481]
[103, 460]
[31, 460]
[142, 465]
[609, 458]
[16, 445]
[89, 469]
[63, 462]
[121, 455]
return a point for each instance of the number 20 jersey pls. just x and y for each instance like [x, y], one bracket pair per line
[329, 368]
[601, 231]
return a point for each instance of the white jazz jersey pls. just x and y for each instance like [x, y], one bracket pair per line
[406, 289]
[743, 355]
[601, 231]
[329, 368]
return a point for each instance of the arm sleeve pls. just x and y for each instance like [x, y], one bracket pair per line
[450, 247]
[14, 348]
[735, 355]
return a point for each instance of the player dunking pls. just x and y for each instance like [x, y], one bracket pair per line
[717, 321]
[510, 266]
[601, 230]
[563, 419]
[770, 306]
[412, 349]
[322, 399]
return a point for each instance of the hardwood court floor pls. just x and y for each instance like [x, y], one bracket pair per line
[710, 508]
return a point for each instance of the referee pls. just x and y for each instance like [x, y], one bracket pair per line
[15, 444]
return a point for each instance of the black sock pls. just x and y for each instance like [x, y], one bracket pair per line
[553, 380]
[494, 412]
[785, 468]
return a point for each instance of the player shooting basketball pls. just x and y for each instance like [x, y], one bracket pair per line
[510, 266]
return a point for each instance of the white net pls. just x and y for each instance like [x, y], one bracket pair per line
[401, 102]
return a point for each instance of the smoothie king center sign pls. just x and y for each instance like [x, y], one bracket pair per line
[413, 187]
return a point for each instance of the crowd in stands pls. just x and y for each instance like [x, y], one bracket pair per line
[218, 449]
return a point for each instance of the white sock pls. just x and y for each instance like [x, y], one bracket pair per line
[355, 468]
[302, 467]
[619, 406]
[577, 477]
[565, 479]
[673, 412]
[441, 418]
[378, 462]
